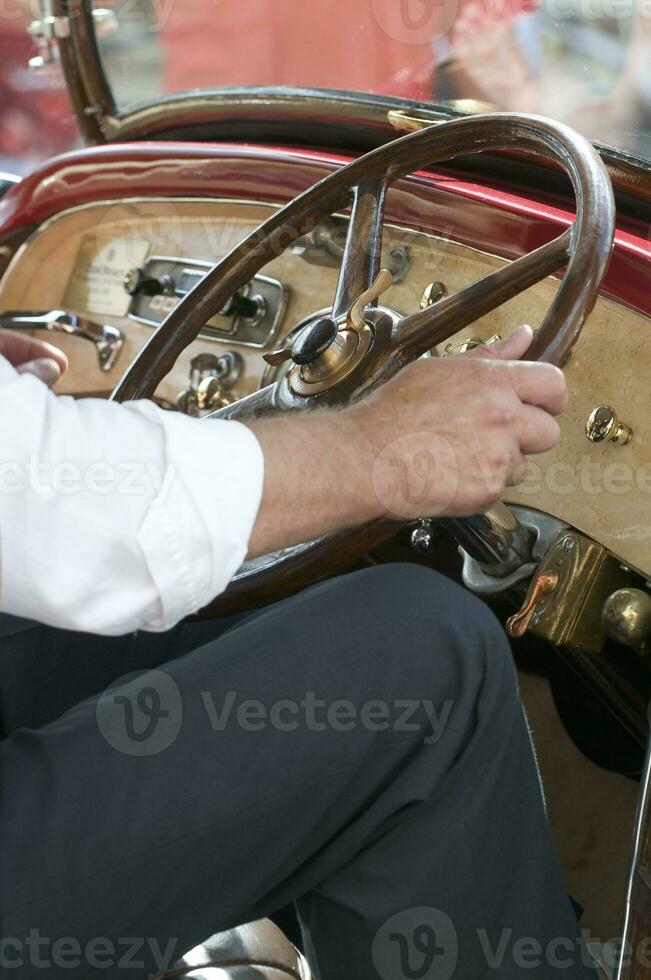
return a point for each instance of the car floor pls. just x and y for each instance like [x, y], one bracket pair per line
[592, 814]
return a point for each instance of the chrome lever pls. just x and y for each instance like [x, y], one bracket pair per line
[108, 340]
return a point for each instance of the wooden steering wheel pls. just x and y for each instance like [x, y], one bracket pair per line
[339, 358]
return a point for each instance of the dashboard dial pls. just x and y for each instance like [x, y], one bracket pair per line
[97, 281]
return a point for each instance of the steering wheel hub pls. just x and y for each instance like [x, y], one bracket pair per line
[320, 366]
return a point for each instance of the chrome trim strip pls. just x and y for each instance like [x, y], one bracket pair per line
[638, 843]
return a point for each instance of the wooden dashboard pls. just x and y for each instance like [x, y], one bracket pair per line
[602, 489]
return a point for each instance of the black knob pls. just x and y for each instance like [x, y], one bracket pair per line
[241, 305]
[313, 340]
[137, 282]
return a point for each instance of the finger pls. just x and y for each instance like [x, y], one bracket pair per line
[19, 348]
[514, 465]
[519, 472]
[46, 369]
[538, 384]
[512, 348]
[536, 430]
[502, 472]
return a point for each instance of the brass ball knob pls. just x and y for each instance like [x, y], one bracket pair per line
[432, 294]
[602, 424]
[626, 618]
[212, 395]
[186, 402]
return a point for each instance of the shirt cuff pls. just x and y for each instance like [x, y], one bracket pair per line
[196, 532]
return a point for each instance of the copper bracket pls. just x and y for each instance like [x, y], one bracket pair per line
[566, 597]
[518, 624]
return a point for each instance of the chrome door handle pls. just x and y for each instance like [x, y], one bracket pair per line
[108, 340]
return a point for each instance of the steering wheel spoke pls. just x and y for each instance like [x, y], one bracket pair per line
[255, 405]
[423, 330]
[362, 252]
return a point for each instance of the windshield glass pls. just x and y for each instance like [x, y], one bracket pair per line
[585, 62]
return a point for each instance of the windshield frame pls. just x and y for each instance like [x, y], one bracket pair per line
[351, 122]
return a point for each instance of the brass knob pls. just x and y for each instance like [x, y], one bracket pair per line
[432, 294]
[186, 402]
[470, 343]
[602, 424]
[626, 618]
[211, 394]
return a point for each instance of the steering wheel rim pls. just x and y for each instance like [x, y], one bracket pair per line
[584, 249]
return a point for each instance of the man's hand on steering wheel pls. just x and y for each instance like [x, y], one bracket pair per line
[30, 356]
[443, 437]
[467, 421]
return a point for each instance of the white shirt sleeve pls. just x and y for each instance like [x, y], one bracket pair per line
[114, 517]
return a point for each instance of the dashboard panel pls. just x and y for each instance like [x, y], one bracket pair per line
[78, 262]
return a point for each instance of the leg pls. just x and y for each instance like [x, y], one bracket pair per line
[319, 790]
[44, 672]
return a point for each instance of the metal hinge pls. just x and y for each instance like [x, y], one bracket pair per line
[412, 123]
[46, 33]
[48, 30]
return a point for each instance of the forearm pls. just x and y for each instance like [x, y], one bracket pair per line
[318, 477]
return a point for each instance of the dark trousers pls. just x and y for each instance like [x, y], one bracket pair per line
[359, 750]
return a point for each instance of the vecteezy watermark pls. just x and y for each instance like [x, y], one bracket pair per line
[586, 475]
[42, 477]
[37, 952]
[416, 944]
[153, 15]
[313, 714]
[415, 22]
[424, 22]
[142, 714]
[422, 473]
[423, 944]
[558, 952]
[411, 471]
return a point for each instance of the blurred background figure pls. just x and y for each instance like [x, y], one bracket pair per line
[559, 59]
[353, 45]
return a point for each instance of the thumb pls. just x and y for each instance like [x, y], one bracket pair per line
[46, 369]
[512, 348]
